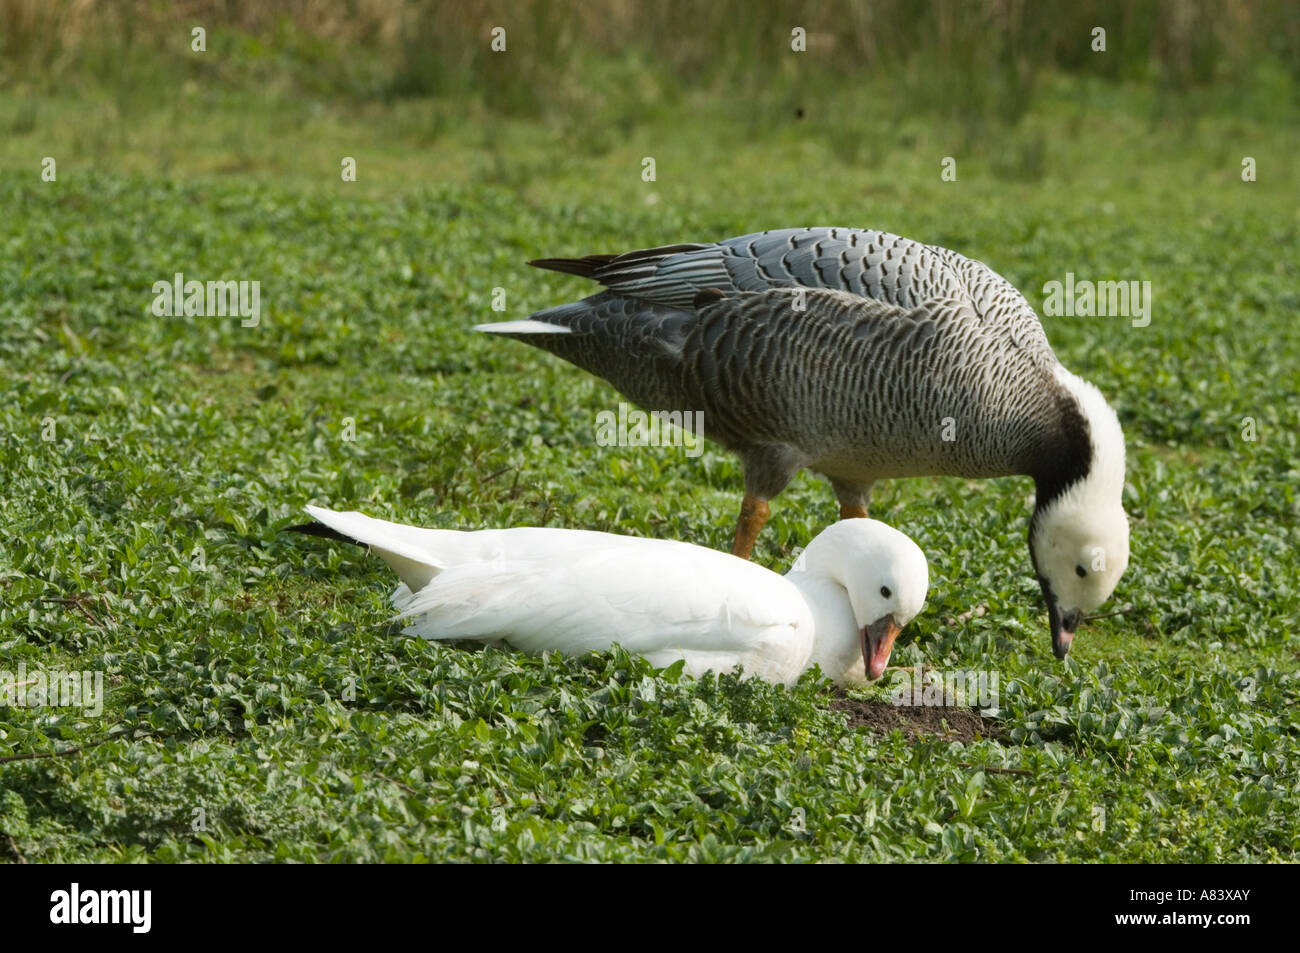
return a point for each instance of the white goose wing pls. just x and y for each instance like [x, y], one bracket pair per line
[573, 591]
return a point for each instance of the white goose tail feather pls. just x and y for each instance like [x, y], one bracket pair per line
[522, 327]
[408, 550]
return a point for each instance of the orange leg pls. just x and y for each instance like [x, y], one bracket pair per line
[753, 514]
[848, 512]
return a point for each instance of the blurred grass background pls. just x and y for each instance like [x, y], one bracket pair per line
[962, 57]
[584, 76]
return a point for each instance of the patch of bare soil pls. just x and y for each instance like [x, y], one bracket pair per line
[951, 724]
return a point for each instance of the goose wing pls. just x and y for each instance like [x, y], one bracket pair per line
[864, 262]
[563, 591]
[860, 388]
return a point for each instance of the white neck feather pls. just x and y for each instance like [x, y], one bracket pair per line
[835, 632]
[1104, 483]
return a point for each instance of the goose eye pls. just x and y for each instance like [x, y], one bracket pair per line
[1080, 571]
[884, 591]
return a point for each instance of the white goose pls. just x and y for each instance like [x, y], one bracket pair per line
[573, 591]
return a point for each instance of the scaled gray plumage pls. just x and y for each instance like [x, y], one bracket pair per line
[919, 361]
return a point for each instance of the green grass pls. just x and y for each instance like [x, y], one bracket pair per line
[254, 681]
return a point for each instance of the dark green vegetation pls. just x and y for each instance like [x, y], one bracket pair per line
[255, 686]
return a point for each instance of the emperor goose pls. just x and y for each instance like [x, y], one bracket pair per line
[573, 591]
[860, 355]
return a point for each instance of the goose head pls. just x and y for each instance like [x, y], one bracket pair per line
[1078, 537]
[1079, 550]
[883, 574]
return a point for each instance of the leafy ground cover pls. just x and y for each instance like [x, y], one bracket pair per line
[260, 706]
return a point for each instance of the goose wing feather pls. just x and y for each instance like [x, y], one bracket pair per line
[540, 590]
[865, 262]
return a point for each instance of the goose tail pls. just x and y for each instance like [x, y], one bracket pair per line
[411, 552]
[528, 326]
